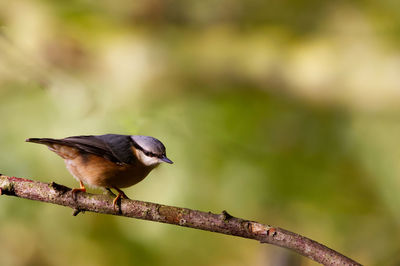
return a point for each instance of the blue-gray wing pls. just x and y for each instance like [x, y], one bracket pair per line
[114, 147]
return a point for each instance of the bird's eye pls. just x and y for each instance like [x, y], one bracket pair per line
[148, 153]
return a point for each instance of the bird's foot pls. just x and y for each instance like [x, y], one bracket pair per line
[117, 200]
[75, 190]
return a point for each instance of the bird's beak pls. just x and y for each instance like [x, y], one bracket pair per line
[166, 160]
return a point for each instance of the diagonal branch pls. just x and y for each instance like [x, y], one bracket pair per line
[221, 223]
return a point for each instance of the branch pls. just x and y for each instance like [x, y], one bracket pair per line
[219, 223]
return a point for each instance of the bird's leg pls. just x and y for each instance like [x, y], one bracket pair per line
[120, 195]
[82, 188]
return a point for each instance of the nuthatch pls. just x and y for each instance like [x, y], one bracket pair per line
[108, 161]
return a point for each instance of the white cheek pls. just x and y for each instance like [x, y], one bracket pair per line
[148, 161]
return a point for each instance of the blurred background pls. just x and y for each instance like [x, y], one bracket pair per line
[283, 112]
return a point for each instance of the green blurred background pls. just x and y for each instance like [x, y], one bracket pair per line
[283, 112]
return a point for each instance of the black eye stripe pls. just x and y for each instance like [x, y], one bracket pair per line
[147, 153]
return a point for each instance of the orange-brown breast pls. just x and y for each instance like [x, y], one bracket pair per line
[100, 172]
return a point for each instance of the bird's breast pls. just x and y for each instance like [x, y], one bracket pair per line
[100, 172]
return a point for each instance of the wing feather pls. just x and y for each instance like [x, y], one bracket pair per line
[113, 147]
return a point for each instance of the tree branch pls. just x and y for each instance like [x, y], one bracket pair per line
[221, 223]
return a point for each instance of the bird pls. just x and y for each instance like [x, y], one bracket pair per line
[110, 161]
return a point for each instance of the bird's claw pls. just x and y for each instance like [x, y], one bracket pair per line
[75, 190]
[117, 199]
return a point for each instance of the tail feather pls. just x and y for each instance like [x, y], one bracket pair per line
[45, 141]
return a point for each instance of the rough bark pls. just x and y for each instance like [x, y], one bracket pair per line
[222, 223]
